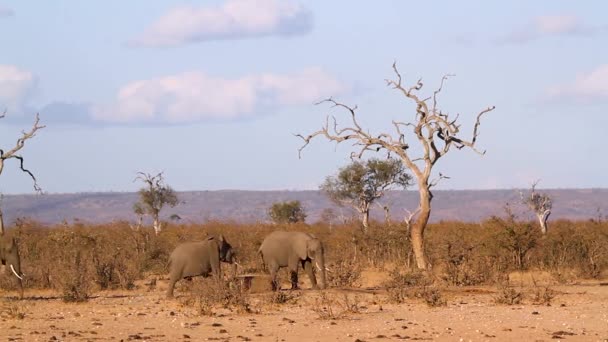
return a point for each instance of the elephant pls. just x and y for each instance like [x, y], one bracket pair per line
[9, 256]
[288, 249]
[199, 258]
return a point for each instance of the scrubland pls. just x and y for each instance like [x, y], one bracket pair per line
[499, 279]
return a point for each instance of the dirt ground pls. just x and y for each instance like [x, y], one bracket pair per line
[577, 313]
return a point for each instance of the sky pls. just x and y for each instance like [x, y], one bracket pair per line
[212, 93]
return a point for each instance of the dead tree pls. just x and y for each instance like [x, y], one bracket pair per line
[13, 153]
[540, 204]
[407, 218]
[434, 130]
[153, 198]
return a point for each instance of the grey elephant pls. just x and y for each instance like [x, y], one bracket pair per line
[199, 258]
[290, 249]
[9, 257]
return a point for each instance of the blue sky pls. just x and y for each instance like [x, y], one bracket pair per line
[212, 92]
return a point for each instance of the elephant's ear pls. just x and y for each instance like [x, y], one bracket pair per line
[12, 245]
[311, 248]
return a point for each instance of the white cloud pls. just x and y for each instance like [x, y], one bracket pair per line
[558, 24]
[195, 96]
[550, 25]
[6, 12]
[232, 20]
[586, 86]
[16, 86]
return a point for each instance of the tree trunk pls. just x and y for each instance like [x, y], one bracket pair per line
[157, 225]
[387, 215]
[363, 209]
[365, 220]
[1, 223]
[542, 220]
[417, 230]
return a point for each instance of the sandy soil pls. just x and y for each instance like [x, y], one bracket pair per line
[577, 313]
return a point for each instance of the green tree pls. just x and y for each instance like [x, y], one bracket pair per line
[153, 197]
[287, 212]
[360, 183]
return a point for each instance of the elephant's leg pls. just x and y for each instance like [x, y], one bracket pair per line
[273, 268]
[216, 271]
[20, 288]
[293, 272]
[171, 286]
[308, 267]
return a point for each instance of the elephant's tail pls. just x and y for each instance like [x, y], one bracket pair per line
[168, 264]
[262, 259]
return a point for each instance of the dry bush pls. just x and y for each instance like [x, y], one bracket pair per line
[574, 250]
[344, 273]
[207, 295]
[328, 307]
[75, 284]
[543, 295]
[463, 254]
[111, 256]
[13, 310]
[402, 286]
[517, 239]
[432, 296]
[384, 244]
[508, 295]
[283, 297]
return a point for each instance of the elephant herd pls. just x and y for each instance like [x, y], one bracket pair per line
[279, 249]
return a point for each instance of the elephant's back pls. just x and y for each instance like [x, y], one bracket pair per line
[188, 249]
[280, 238]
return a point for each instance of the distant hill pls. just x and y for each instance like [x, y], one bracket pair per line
[251, 206]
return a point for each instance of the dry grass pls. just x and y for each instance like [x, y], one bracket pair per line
[79, 259]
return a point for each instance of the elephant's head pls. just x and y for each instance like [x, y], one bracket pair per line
[9, 255]
[226, 252]
[315, 252]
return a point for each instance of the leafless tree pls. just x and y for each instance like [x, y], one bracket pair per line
[153, 198]
[434, 130]
[409, 215]
[540, 203]
[14, 153]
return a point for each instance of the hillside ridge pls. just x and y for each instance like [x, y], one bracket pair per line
[247, 206]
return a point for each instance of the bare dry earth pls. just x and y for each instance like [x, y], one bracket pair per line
[578, 313]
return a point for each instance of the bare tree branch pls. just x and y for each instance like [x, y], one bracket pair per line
[13, 152]
[434, 130]
[436, 181]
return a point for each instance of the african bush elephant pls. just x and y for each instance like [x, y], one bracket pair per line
[9, 256]
[288, 249]
[199, 258]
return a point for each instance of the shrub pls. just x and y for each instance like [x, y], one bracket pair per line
[402, 286]
[508, 295]
[344, 273]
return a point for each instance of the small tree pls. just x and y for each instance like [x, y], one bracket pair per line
[287, 212]
[153, 198]
[433, 130]
[13, 153]
[360, 183]
[540, 204]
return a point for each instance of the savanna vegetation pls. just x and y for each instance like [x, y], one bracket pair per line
[80, 259]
